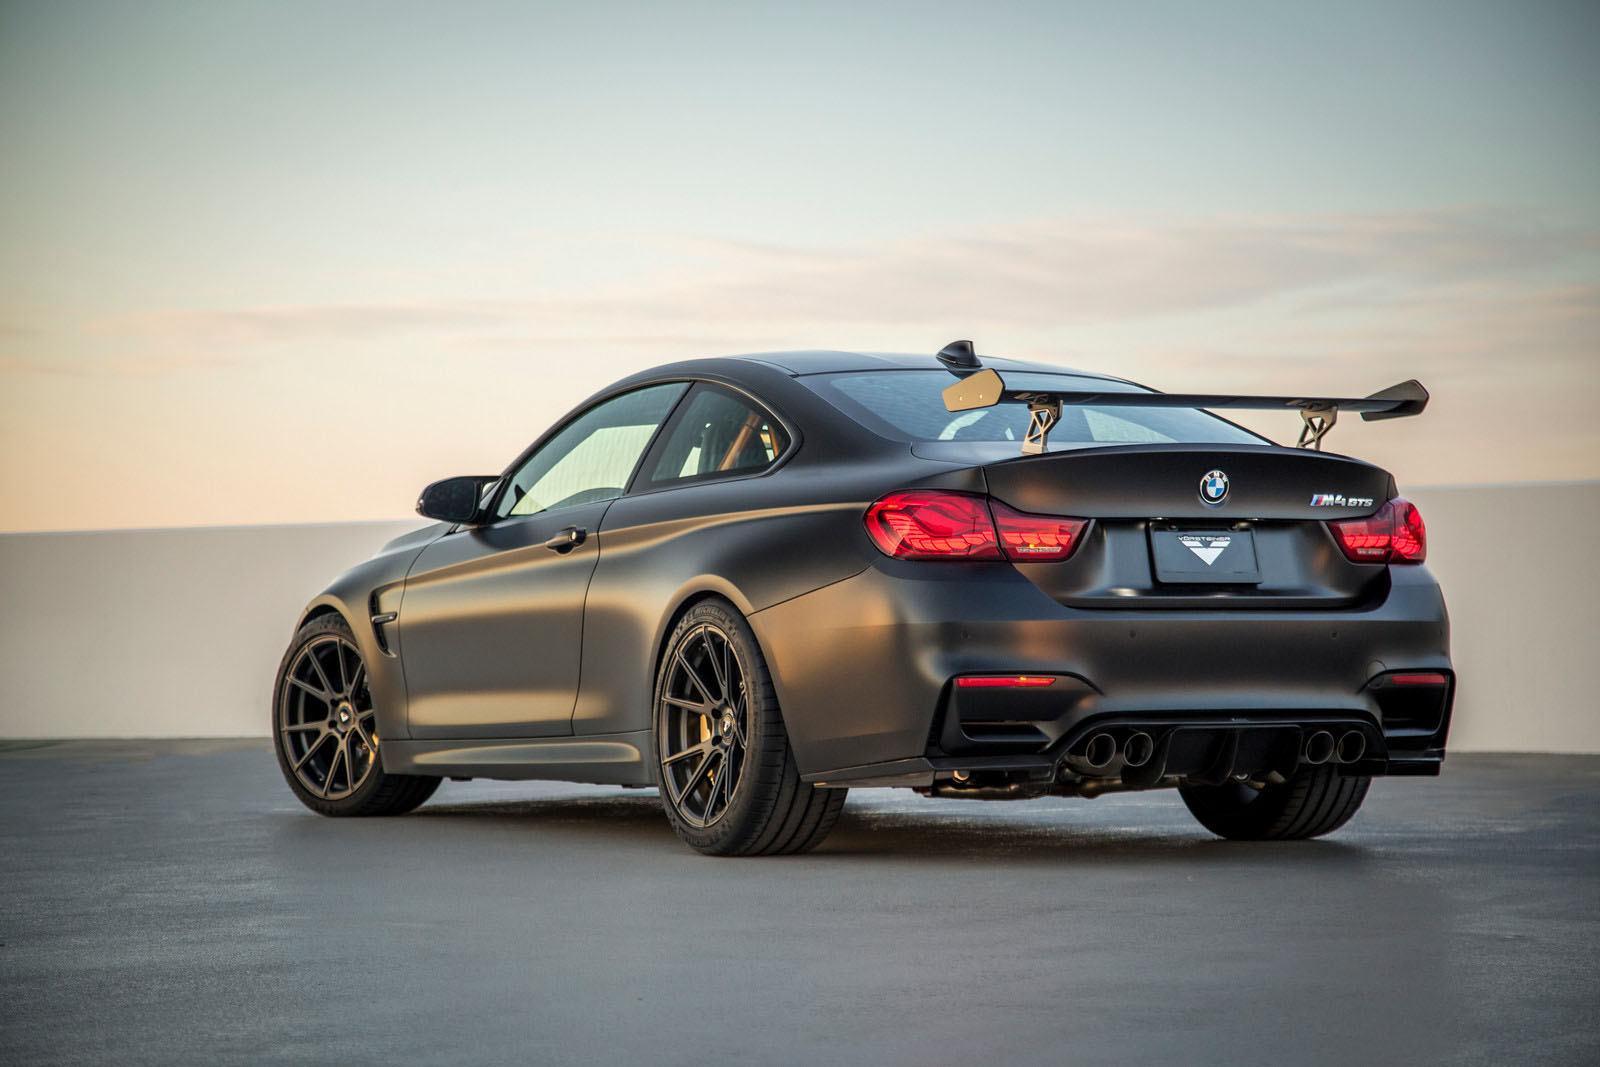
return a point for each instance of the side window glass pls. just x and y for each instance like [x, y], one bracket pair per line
[591, 457]
[720, 433]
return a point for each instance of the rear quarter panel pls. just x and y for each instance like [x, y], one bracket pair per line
[755, 542]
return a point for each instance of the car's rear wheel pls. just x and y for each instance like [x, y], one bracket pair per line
[325, 729]
[729, 782]
[1314, 801]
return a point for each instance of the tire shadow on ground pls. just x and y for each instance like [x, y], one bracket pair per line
[1042, 836]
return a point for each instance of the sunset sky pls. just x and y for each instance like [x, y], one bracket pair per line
[287, 262]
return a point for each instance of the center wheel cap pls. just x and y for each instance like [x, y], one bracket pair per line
[726, 726]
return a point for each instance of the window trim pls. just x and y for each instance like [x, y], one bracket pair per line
[638, 487]
[503, 483]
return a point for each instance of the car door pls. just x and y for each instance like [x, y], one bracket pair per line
[491, 622]
[678, 521]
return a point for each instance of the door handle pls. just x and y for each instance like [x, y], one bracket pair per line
[568, 539]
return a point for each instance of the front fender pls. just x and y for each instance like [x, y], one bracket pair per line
[376, 587]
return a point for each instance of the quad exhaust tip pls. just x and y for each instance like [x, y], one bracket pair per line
[1138, 749]
[1100, 751]
[1352, 746]
[1319, 748]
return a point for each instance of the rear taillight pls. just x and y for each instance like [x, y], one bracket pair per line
[939, 524]
[1395, 534]
[931, 524]
[1044, 538]
[1410, 535]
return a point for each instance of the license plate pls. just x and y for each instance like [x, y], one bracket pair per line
[1209, 556]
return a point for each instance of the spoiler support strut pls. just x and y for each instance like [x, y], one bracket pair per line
[1315, 427]
[1042, 415]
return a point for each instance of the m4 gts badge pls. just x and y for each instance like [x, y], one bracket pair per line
[1334, 500]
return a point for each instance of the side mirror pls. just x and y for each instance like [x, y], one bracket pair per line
[454, 499]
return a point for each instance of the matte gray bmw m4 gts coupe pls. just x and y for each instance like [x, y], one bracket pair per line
[754, 582]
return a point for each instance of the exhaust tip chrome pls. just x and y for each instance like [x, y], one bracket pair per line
[1100, 751]
[1319, 748]
[1138, 749]
[1352, 746]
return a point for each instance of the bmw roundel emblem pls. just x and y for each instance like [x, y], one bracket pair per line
[1214, 487]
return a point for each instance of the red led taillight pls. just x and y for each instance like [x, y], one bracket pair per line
[1004, 681]
[1395, 534]
[939, 524]
[1045, 538]
[933, 524]
[1410, 535]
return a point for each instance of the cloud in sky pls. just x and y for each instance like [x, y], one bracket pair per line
[1035, 275]
[1497, 312]
[274, 262]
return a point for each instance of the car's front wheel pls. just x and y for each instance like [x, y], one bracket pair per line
[1314, 801]
[325, 730]
[729, 782]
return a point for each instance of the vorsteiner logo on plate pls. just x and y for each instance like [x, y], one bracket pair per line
[1206, 546]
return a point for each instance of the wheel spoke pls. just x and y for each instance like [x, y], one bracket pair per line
[694, 779]
[683, 661]
[322, 695]
[718, 664]
[368, 735]
[301, 727]
[697, 706]
[693, 750]
[333, 764]
[311, 750]
[719, 786]
[344, 682]
[322, 675]
[356, 680]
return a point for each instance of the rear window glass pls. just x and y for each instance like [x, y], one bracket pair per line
[910, 405]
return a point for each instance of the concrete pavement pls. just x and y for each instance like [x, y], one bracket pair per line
[169, 902]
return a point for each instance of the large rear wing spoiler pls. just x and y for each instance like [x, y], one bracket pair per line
[985, 388]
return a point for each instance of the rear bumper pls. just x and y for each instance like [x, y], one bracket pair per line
[863, 670]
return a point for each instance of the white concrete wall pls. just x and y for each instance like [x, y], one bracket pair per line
[1520, 568]
[158, 633]
[177, 633]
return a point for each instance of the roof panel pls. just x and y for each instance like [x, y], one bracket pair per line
[830, 362]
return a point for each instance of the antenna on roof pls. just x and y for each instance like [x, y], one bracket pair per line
[958, 356]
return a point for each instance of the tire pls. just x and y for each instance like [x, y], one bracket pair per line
[324, 728]
[1315, 801]
[729, 782]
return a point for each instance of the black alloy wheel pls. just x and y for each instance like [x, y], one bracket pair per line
[729, 781]
[328, 727]
[705, 715]
[325, 728]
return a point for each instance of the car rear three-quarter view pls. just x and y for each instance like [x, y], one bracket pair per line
[755, 582]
